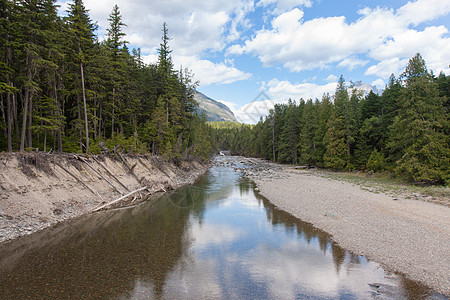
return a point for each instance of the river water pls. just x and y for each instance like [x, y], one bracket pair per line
[217, 239]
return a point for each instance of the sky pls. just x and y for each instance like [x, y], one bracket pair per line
[252, 54]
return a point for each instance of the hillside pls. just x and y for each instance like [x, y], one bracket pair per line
[214, 110]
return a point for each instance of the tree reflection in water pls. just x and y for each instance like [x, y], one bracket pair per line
[216, 239]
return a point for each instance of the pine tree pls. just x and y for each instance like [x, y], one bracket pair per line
[7, 90]
[289, 131]
[310, 123]
[325, 109]
[81, 45]
[165, 70]
[117, 75]
[337, 139]
[418, 131]
[443, 82]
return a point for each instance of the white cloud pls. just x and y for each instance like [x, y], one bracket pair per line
[207, 72]
[381, 34]
[284, 5]
[431, 43]
[235, 50]
[215, 234]
[416, 12]
[63, 7]
[379, 83]
[285, 90]
[332, 78]
[277, 92]
[195, 26]
[251, 112]
[387, 67]
[283, 268]
[351, 63]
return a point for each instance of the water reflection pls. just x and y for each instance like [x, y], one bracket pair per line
[215, 240]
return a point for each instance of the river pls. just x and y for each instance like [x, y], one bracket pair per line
[217, 239]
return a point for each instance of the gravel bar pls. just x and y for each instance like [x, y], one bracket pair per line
[407, 236]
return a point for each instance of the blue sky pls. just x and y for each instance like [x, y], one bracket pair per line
[295, 49]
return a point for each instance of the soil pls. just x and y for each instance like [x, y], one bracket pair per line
[38, 190]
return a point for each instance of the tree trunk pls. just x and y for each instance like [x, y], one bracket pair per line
[273, 137]
[167, 112]
[2, 108]
[80, 129]
[25, 114]
[45, 141]
[9, 117]
[95, 121]
[59, 113]
[24, 122]
[112, 117]
[30, 122]
[85, 108]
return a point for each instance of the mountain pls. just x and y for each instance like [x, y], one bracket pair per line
[214, 110]
[365, 88]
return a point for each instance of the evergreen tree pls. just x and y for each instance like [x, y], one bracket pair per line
[117, 75]
[7, 90]
[418, 131]
[443, 82]
[337, 139]
[289, 131]
[325, 109]
[80, 48]
[310, 123]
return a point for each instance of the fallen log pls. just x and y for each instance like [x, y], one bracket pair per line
[121, 198]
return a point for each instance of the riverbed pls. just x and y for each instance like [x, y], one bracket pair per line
[217, 239]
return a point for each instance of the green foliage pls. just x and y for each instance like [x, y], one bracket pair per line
[418, 136]
[376, 162]
[73, 92]
[122, 143]
[405, 130]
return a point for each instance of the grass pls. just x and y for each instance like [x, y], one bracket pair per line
[384, 183]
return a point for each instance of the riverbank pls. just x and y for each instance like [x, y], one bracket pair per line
[38, 190]
[404, 235]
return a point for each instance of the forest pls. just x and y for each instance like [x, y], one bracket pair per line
[64, 90]
[404, 131]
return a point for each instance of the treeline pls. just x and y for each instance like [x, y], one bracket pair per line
[405, 130]
[63, 89]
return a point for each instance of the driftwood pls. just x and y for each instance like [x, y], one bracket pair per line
[78, 179]
[100, 174]
[121, 198]
[110, 174]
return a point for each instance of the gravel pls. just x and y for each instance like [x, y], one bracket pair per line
[407, 236]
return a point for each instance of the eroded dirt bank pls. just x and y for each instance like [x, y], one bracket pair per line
[404, 235]
[38, 190]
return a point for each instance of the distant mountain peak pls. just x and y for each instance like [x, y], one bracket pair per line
[214, 110]
[364, 87]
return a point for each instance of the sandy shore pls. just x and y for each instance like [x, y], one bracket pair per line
[408, 236]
